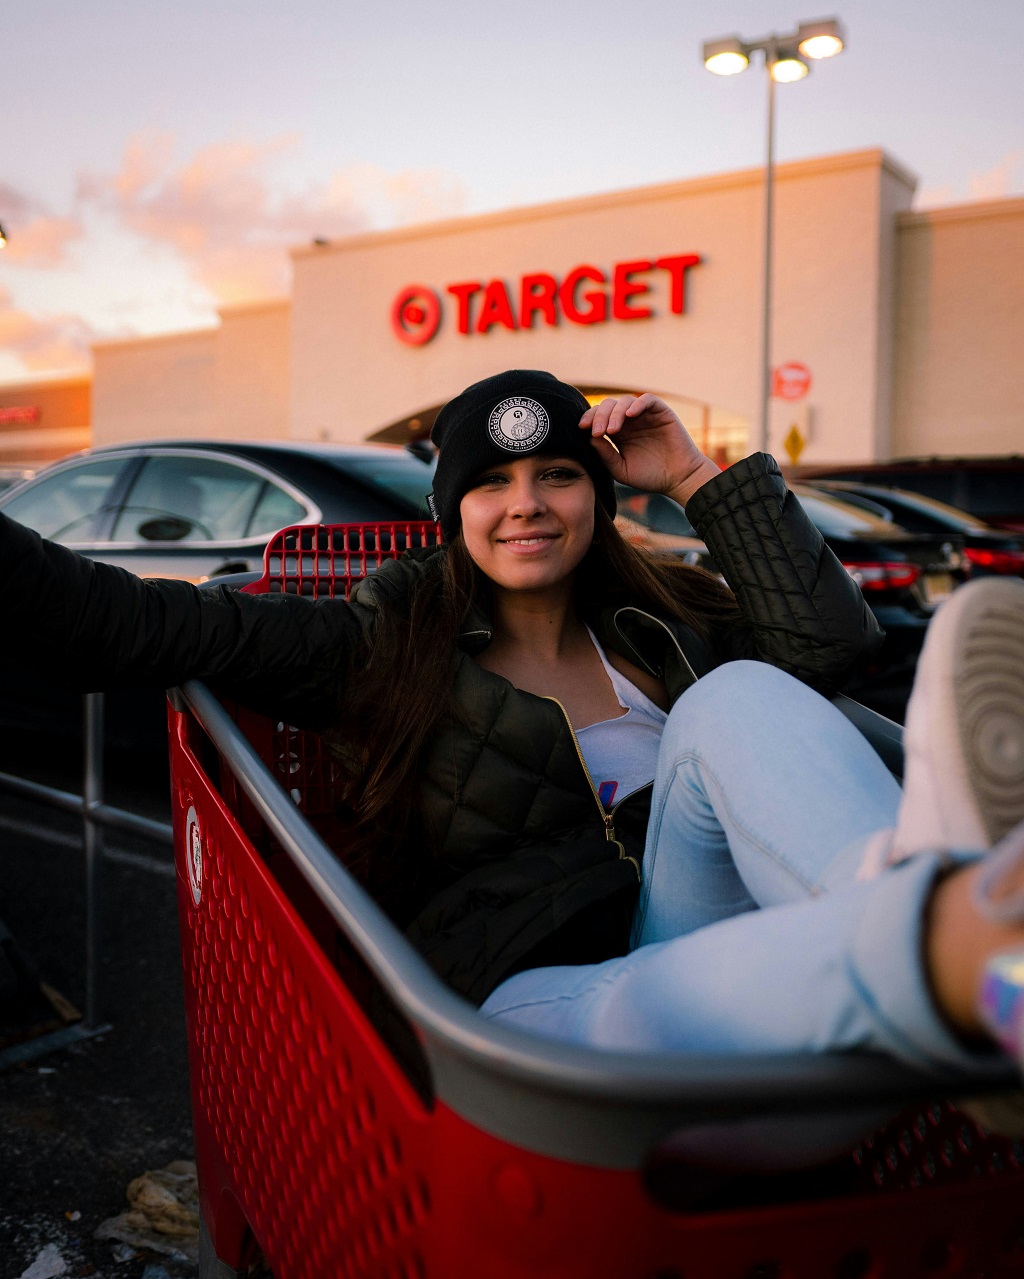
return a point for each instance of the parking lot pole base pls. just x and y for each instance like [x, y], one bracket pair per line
[52, 1042]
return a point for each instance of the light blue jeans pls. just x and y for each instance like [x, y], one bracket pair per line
[752, 934]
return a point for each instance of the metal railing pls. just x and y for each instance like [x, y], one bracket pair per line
[96, 816]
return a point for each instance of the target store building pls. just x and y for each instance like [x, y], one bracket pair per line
[894, 332]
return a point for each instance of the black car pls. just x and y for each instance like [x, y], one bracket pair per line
[197, 509]
[990, 488]
[903, 575]
[989, 551]
[194, 509]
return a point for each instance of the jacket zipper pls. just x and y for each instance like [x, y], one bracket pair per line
[607, 818]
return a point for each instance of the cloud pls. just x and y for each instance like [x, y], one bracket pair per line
[37, 237]
[225, 213]
[1003, 179]
[44, 342]
[162, 240]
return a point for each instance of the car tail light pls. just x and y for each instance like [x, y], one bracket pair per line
[878, 575]
[996, 561]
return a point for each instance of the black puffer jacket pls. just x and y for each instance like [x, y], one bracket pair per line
[527, 868]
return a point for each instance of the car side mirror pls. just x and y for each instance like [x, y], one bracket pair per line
[165, 528]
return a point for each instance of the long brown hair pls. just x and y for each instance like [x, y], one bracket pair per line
[400, 690]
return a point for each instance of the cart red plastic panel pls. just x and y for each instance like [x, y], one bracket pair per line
[355, 1118]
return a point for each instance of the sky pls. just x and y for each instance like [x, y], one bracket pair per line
[160, 158]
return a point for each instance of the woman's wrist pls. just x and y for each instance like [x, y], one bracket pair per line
[698, 477]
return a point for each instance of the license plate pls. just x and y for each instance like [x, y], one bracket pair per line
[937, 586]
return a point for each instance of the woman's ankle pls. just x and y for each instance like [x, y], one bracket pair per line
[958, 943]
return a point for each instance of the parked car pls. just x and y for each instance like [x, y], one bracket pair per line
[988, 550]
[11, 475]
[656, 522]
[903, 575]
[197, 510]
[990, 488]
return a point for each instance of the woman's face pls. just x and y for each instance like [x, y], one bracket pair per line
[528, 523]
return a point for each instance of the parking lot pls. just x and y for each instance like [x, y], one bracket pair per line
[77, 1125]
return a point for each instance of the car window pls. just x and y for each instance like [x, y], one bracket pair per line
[996, 492]
[923, 514]
[189, 499]
[395, 475]
[275, 509]
[942, 485]
[836, 518]
[68, 506]
[653, 510]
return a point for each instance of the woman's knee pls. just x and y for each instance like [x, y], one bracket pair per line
[743, 694]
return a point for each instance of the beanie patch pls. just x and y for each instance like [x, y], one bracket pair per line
[515, 414]
[519, 424]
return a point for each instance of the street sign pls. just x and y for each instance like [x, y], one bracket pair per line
[794, 444]
[791, 381]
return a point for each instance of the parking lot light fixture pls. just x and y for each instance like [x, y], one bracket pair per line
[786, 61]
[726, 57]
[817, 40]
[788, 69]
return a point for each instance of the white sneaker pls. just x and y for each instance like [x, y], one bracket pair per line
[963, 785]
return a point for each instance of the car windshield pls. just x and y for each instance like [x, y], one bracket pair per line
[948, 516]
[836, 518]
[653, 510]
[396, 474]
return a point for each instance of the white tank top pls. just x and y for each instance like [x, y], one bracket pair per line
[621, 754]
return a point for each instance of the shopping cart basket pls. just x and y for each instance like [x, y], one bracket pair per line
[355, 1119]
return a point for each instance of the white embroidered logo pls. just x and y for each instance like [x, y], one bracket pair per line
[518, 424]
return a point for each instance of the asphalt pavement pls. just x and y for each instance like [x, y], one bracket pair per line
[78, 1124]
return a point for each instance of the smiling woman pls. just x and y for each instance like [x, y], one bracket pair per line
[527, 524]
[603, 793]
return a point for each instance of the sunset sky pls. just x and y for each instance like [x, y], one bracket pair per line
[159, 159]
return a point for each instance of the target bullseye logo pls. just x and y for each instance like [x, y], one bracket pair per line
[416, 314]
[194, 854]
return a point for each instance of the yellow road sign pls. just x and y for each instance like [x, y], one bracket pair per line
[794, 444]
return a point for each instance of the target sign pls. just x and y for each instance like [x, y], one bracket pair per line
[416, 315]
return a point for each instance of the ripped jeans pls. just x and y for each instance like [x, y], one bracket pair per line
[752, 933]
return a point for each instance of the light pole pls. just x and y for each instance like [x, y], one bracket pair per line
[786, 58]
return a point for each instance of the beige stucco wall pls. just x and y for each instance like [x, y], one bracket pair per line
[959, 379]
[833, 278]
[912, 324]
[155, 387]
[226, 381]
[251, 370]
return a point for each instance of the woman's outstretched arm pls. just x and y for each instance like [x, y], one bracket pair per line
[90, 626]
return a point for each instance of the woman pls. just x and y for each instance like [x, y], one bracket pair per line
[503, 706]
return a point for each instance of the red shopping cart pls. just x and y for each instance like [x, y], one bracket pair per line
[355, 1119]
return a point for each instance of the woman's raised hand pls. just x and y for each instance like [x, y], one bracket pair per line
[652, 449]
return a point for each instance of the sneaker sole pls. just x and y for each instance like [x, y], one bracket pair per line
[988, 688]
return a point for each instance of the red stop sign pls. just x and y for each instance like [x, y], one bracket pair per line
[791, 381]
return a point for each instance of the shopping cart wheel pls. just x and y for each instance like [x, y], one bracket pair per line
[210, 1265]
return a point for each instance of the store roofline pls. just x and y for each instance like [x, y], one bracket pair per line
[45, 381]
[868, 158]
[971, 211]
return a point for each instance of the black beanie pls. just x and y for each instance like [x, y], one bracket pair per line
[510, 415]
